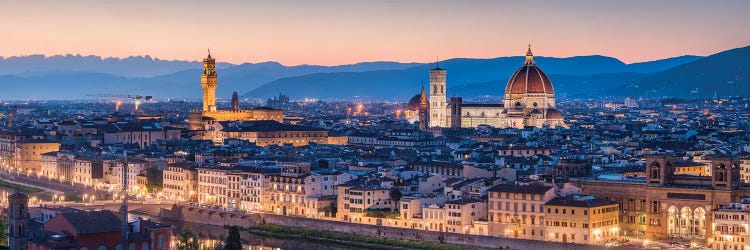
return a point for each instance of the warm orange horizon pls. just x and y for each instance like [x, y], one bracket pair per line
[345, 32]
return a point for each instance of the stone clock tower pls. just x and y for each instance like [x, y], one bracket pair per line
[208, 83]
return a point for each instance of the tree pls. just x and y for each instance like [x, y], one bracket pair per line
[155, 179]
[395, 194]
[187, 241]
[3, 233]
[233, 241]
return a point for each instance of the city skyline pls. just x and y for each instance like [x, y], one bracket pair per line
[334, 33]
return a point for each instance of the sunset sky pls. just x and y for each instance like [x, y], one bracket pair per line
[342, 32]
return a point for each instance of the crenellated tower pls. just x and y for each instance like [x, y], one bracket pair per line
[208, 83]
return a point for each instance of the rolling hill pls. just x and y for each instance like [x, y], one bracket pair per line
[725, 74]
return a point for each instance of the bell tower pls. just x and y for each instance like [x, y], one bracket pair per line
[659, 169]
[438, 103]
[208, 83]
[18, 221]
[725, 173]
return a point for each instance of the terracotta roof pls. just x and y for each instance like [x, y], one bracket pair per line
[580, 201]
[90, 222]
[529, 79]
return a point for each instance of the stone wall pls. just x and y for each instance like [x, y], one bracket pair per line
[209, 217]
[204, 216]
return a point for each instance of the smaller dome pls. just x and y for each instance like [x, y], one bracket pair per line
[414, 102]
[554, 114]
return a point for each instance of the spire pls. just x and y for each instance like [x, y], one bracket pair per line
[437, 63]
[209, 53]
[422, 96]
[529, 57]
[235, 102]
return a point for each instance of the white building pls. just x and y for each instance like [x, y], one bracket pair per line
[731, 227]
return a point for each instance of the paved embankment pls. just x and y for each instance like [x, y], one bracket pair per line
[219, 218]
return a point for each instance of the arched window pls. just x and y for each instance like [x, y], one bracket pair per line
[101, 248]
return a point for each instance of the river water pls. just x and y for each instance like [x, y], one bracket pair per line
[211, 236]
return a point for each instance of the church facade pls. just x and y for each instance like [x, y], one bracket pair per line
[201, 119]
[529, 100]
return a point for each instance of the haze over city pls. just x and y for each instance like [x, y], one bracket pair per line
[345, 32]
[233, 125]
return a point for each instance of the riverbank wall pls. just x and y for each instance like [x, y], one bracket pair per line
[220, 218]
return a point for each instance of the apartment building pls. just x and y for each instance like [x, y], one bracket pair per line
[180, 182]
[582, 219]
[517, 211]
[730, 226]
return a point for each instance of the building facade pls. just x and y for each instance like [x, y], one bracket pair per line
[517, 211]
[28, 154]
[730, 226]
[669, 205]
[582, 219]
[180, 183]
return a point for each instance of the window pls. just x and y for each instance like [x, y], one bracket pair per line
[654, 207]
[101, 248]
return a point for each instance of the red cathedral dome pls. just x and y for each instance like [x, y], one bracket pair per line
[529, 79]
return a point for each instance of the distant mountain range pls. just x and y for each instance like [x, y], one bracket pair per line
[469, 77]
[724, 74]
[134, 66]
[73, 77]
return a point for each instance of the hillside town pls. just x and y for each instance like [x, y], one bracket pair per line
[628, 172]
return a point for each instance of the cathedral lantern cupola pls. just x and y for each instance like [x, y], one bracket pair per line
[529, 57]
